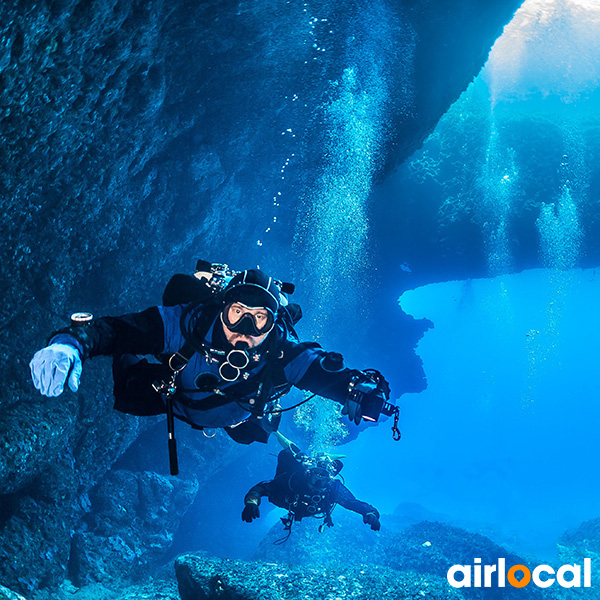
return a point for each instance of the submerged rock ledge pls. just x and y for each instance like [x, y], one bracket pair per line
[203, 578]
[400, 565]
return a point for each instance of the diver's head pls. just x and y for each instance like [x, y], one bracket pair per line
[251, 303]
[332, 465]
[321, 469]
[318, 477]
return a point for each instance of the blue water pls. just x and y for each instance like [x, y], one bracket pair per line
[502, 441]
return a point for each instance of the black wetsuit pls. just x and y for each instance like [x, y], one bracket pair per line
[203, 399]
[292, 489]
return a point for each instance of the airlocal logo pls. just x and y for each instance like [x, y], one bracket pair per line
[543, 576]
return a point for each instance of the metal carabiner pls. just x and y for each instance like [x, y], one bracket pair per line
[177, 369]
[396, 435]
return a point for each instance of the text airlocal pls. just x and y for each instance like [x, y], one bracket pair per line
[478, 575]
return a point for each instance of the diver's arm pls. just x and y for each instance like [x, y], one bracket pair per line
[315, 370]
[135, 333]
[152, 331]
[257, 492]
[252, 501]
[336, 386]
[311, 368]
[344, 497]
[328, 384]
[155, 330]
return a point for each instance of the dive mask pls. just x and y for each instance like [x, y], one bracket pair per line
[319, 477]
[239, 318]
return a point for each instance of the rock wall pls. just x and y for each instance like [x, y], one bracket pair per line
[138, 135]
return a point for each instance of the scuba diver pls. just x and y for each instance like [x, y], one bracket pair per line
[218, 353]
[306, 486]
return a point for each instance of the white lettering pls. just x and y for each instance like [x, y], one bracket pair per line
[543, 583]
[501, 572]
[477, 573]
[587, 572]
[465, 570]
[576, 572]
[543, 576]
[488, 570]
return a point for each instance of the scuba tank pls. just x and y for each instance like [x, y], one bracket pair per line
[208, 281]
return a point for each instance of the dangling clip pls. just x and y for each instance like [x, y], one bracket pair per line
[395, 431]
[168, 389]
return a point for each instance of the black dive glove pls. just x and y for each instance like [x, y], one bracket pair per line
[250, 512]
[372, 519]
[367, 392]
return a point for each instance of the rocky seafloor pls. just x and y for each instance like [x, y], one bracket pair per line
[348, 561]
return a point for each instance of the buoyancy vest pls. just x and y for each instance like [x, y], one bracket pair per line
[202, 293]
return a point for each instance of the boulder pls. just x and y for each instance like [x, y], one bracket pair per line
[129, 527]
[202, 578]
[432, 548]
[6, 594]
[579, 543]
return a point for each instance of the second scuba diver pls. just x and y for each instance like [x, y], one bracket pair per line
[306, 486]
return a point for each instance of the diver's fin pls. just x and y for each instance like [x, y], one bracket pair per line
[287, 444]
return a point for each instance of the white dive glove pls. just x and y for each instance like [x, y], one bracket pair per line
[52, 366]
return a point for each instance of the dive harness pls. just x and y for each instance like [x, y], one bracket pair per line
[198, 319]
[316, 505]
[195, 322]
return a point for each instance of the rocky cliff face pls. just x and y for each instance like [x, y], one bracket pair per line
[139, 135]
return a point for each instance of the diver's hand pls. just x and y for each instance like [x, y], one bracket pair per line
[250, 512]
[52, 366]
[352, 408]
[365, 388]
[361, 386]
[372, 519]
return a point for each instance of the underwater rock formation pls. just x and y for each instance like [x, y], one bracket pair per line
[584, 541]
[203, 578]
[343, 562]
[163, 587]
[130, 525]
[6, 594]
[133, 512]
[432, 548]
[577, 544]
[139, 134]
[426, 548]
[48, 468]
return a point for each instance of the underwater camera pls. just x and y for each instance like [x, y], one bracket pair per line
[374, 405]
[372, 391]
